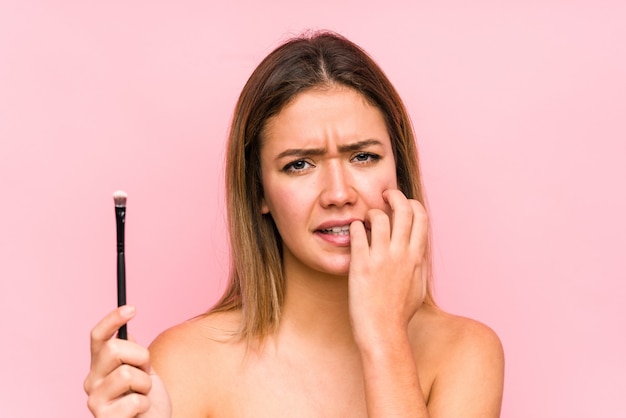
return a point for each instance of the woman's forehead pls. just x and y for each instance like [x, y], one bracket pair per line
[316, 115]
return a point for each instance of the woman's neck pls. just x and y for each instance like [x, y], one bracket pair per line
[316, 307]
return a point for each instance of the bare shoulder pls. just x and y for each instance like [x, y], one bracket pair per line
[458, 334]
[217, 327]
[194, 359]
[467, 364]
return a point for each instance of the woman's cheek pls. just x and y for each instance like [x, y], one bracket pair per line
[373, 194]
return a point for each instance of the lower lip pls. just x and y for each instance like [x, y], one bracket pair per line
[335, 239]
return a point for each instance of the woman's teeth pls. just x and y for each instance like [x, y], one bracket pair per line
[338, 230]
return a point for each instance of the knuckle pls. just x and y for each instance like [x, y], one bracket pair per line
[93, 405]
[87, 384]
[417, 207]
[125, 373]
[419, 213]
[95, 335]
[113, 350]
[395, 193]
[144, 355]
[137, 403]
[148, 383]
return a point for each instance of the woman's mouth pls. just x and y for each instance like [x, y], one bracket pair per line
[337, 230]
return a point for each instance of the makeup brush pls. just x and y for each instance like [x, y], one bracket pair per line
[119, 197]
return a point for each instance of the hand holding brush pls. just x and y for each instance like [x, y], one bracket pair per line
[121, 382]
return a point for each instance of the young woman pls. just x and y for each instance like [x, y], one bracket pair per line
[328, 312]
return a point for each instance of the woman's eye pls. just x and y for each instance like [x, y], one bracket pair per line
[297, 166]
[366, 157]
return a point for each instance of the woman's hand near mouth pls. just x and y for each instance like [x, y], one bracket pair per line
[388, 270]
[387, 283]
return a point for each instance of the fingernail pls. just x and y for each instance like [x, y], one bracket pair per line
[127, 311]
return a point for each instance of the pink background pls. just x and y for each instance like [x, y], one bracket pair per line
[520, 112]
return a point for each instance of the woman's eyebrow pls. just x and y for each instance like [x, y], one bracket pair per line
[308, 152]
[301, 152]
[356, 146]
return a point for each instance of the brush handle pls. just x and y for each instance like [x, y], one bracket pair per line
[121, 289]
[120, 215]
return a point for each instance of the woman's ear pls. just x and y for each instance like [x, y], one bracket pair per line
[264, 208]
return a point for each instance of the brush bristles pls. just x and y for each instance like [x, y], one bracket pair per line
[119, 197]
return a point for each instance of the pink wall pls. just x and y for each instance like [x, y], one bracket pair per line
[519, 109]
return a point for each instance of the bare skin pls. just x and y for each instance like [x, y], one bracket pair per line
[355, 338]
[208, 374]
[290, 376]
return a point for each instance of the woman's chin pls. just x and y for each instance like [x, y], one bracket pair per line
[339, 267]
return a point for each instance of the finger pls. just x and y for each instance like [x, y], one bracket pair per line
[380, 228]
[424, 276]
[108, 326]
[401, 216]
[122, 381]
[125, 379]
[130, 405]
[359, 247]
[419, 228]
[115, 353]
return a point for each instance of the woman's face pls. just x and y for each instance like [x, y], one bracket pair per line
[326, 159]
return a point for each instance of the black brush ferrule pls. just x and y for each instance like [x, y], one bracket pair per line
[120, 217]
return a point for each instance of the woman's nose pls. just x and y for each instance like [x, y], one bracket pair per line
[337, 188]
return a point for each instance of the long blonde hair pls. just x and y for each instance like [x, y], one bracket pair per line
[256, 284]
